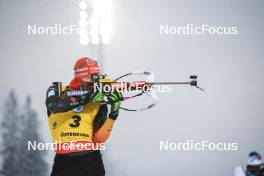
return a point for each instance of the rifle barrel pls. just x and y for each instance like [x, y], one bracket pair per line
[168, 83]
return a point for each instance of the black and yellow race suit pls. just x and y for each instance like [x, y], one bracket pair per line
[75, 120]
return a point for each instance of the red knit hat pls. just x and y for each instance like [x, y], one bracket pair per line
[84, 69]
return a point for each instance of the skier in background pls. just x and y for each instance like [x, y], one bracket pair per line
[81, 120]
[255, 166]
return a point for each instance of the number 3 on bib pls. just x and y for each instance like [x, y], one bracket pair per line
[76, 121]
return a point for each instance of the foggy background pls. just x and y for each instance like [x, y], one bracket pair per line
[229, 68]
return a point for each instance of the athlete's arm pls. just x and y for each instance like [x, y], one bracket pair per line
[57, 104]
[103, 125]
[103, 133]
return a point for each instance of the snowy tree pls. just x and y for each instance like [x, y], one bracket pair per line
[19, 127]
[11, 131]
[33, 160]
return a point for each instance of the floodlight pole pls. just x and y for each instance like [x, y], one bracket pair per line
[95, 27]
[100, 54]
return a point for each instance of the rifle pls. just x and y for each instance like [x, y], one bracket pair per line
[107, 85]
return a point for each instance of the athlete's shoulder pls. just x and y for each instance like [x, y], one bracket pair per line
[55, 89]
[51, 91]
